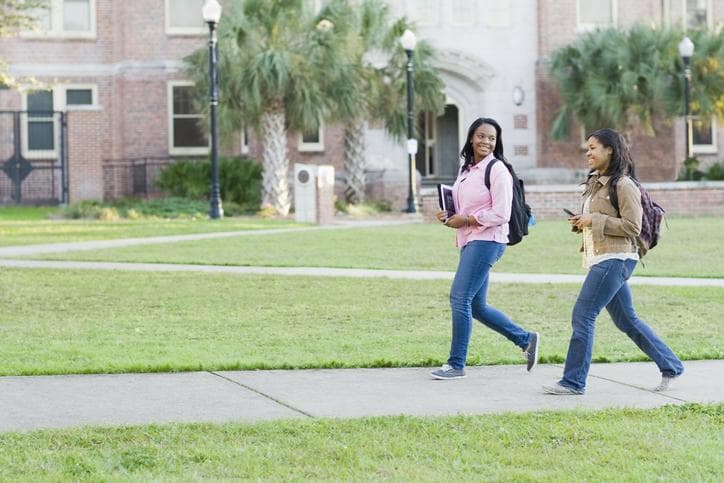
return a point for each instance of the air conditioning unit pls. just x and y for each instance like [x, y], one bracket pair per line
[313, 193]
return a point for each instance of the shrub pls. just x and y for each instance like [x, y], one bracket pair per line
[239, 182]
[690, 170]
[186, 179]
[84, 209]
[715, 172]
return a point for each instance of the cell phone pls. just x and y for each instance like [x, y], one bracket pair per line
[568, 212]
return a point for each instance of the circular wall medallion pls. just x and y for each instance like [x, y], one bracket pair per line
[303, 176]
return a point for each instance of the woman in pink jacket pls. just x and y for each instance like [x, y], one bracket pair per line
[481, 225]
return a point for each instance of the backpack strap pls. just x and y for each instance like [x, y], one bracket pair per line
[487, 172]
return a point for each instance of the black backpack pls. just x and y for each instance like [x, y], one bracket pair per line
[653, 213]
[520, 211]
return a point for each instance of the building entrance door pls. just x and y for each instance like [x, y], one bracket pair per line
[439, 150]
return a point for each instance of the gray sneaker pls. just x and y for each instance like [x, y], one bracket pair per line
[560, 390]
[531, 352]
[448, 372]
[665, 383]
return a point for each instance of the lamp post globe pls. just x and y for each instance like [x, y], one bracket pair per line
[211, 13]
[408, 42]
[686, 51]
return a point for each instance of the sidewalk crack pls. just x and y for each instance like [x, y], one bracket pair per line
[262, 394]
[641, 388]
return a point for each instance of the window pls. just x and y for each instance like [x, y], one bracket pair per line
[596, 14]
[463, 13]
[78, 97]
[185, 134]
[704, 135]
[40, 123]
[696, 14]
[66, 18]
[184, 17]
[312, 140]
[41, 130]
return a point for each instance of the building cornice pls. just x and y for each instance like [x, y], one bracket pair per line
[95, 70]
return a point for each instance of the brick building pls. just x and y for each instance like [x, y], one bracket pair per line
[559, 21]
[116, 69]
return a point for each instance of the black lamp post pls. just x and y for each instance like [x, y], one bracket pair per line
[686, 50]
[408, 42]
[211, 12]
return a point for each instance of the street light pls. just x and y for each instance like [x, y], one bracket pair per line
[686, 50]
[211, 11]
[408, 42]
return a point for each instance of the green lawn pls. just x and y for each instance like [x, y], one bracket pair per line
[550, 248]
[28, 213]
[22, 231]
[673, 443]
[64, 321]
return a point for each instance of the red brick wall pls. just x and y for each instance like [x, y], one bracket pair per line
[86, 151]
[681, 198]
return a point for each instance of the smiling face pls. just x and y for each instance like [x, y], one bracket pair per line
[483, 141]
[598, 155]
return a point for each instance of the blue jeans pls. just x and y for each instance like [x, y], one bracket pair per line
[605, 286]
[467, 300]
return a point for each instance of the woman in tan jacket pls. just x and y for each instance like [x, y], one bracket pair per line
[610, 253]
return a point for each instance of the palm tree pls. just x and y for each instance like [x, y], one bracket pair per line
[628, 78]
[16, 16]
[281, 69]
[379, 87]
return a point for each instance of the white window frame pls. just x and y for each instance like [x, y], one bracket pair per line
[90, 87]
[708, 148]
[709, 16]
[59, 104]
[56, 24]
[587, 27]
[312, 147]
[181, 151]
[171, 30]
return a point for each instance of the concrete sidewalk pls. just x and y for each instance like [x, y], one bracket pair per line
[27, 250]
[36, 402]
[495, 277]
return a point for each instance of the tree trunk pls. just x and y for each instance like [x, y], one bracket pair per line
[355, 161]
[275, 184]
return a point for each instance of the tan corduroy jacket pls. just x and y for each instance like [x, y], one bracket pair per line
[614, 232]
